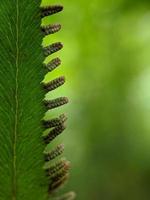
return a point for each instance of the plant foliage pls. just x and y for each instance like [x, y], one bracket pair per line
[22, 104]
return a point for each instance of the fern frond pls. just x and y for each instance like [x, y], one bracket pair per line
[54, 122]
[51, 155]
[56, 184]
[21, 103]
[50, 10]
[58, 172]
[51, 104]
[54, 133]
[52, 85]
[50, 29]
[52, 48]
[57, 167]
[53, 64]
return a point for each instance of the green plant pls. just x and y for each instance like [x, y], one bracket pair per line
[21, 105]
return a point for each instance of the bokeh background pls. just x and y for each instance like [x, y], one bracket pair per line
[106, 61]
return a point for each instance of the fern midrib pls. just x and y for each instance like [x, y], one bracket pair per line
[16, 105]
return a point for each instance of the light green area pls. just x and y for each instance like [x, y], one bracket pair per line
[106, 60]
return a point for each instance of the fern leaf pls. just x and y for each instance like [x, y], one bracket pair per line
[21, 103]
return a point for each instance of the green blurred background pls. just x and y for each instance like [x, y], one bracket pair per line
[106, 60]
